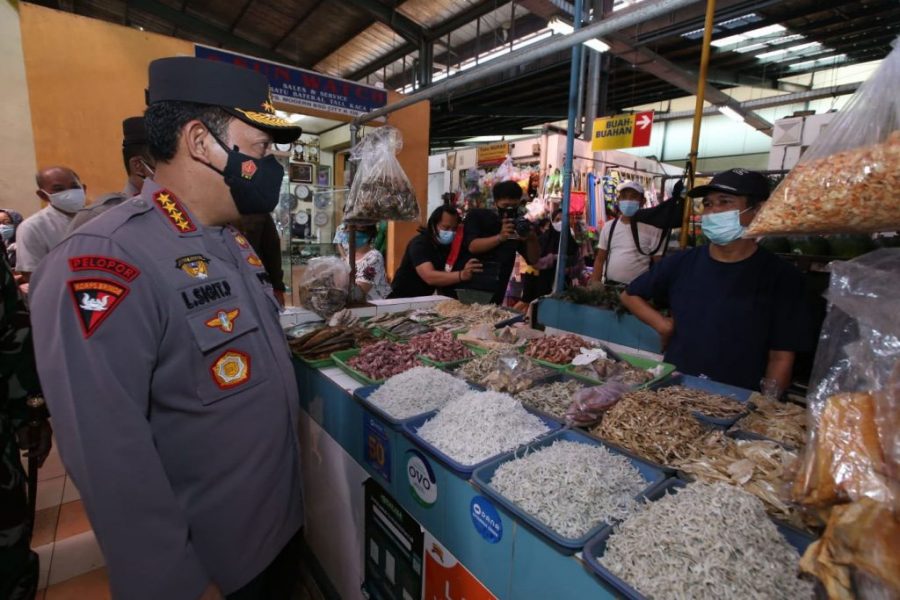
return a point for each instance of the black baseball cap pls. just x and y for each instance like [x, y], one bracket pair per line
[739, 182]
[133, 132]
[243, 93]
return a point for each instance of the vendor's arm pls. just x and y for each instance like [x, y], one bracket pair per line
[643, 310]
[653, 284]
[599, 263]
[97, 385]
[436, 278]
[532, 252]
[780, 368]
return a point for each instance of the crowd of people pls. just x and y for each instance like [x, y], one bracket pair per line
[158, 344]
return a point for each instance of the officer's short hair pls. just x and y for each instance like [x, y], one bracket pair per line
[164, 121]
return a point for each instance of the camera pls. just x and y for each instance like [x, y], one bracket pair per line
[523, 227]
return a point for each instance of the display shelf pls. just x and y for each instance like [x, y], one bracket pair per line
[598, 323]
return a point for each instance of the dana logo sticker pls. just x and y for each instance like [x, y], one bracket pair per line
[95, 300]
[231, 369]
[195, 265]
[224, 320]
[486, 519]
[248, 169]
[422, 482]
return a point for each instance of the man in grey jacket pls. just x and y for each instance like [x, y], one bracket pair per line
[163, 361]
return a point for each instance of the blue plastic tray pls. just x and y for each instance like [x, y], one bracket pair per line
[595, 549]
[411, 428]
[713, 387]
[483, 476]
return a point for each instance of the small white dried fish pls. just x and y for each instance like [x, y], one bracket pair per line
[480, 425]
[571, 487]
[705, 541]
[417, 391]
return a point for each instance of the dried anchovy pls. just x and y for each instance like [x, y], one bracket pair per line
[417, 391]
[559, 349]
[706, 541]
[440, 346]
[551, 398]
[660, 431]
[758, 467]
[472, 314]
[783, 422]
[480, 425]
[571, 487]
[384, 359]
[606, 368]
[711, 405]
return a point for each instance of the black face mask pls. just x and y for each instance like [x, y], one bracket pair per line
[255, 183]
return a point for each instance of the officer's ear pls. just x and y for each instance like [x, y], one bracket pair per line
[198, 141]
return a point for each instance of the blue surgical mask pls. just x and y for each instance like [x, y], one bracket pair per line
[361, 239]
[445, 238]
[722, 228]
[629, 207]
[7, 231]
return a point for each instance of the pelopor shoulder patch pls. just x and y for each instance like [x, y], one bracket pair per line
[95, 300]
[107, 264]
[231, 369]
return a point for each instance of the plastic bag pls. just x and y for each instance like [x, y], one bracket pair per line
[506, 171]
[324, 286]
[847, 180]
[380, 190]
[589, 404]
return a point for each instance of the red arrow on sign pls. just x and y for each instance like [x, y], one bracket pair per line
[643, 128]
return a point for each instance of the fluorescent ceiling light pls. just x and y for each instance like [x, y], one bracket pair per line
[828, 61]
[731, 113]
[559, 26]
[750, 35]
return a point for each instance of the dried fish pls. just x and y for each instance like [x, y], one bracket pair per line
[571, 487]
[705, 403]
[705, 541]
[323, 342]
[440, 346]
[479, 425]
[558, 349]
[503, 371]
[551, 398]
[783, 422]
[760, 467]
[472, 314]
[417, 391]
[654, 427]
[604, 369]
[384, 359]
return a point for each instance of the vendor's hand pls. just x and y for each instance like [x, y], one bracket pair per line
[507, 229]
[666, 331]
[472, 266]
[37, 441]
[212, 592]
[545, 262]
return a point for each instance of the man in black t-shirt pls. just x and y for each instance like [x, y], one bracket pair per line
[739, 313]
[490, 236]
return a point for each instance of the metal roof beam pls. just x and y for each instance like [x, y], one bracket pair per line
[187, 22]
[403, 25]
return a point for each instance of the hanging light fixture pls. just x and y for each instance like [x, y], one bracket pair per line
[557, 25]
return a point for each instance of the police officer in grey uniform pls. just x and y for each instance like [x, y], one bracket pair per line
[163, 360]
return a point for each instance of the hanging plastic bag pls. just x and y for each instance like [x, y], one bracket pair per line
[324, 286]
[380, 189]
[847, 180]
[506, 171]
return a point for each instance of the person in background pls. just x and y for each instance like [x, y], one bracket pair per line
[162, 357]
[370, 275]
[423, 270]
[340, 240]
[490, 236]
[739, 312]
[262, 234]
[618, 259]
[138, 166]
[23, 426]
[42, 231]
[9, 222]
[531, 289]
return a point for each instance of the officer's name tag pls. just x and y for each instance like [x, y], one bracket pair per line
[207, 293]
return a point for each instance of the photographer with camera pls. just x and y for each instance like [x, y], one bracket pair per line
[494, 236]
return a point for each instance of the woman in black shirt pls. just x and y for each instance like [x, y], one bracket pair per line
[423, 268]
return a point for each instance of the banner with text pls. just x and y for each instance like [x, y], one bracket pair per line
[622, 131]
[308, 89]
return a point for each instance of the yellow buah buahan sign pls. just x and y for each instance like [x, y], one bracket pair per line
[622, 131]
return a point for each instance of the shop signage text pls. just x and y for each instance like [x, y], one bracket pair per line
[493, 154]
[307, 89]
[622, 131]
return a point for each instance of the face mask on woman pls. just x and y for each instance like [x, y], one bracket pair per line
[557, 226]
[361, 239]
[7, 231]
[445, 238]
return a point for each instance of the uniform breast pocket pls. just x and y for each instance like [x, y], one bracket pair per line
[230, 344]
